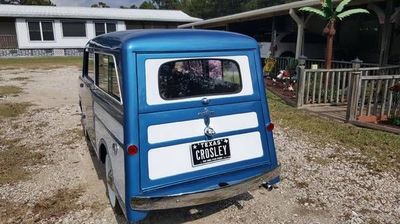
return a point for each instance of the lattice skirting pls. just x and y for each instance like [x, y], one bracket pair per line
[40, 52]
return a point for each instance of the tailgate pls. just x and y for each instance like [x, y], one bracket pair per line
[166, 144]
[187, 97]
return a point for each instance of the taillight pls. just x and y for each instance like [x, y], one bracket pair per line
[270, 127]
[133, 150]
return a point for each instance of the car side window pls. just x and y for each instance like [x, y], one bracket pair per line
[106, 76]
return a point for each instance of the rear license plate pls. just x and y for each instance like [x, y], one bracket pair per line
[210, 151]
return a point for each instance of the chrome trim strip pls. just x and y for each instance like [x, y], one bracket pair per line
[141, 203]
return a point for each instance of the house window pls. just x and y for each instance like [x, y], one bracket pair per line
[34, 31]
[155, 25]
[134, 25]
[102, 28]
[41, 30]
[47, 30]
[74, 29]
[111, 27]
[106, 77]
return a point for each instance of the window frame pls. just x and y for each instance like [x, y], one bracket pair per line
[73, 21]
[149, 64]
[96, 75]
[202, 95]
[40, 30]
[85, 73]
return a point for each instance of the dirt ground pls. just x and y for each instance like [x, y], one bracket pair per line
[48, 174]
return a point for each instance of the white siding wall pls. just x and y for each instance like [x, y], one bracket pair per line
[59, 41]
[120, 26]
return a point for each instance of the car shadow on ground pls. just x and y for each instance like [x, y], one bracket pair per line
[179, 215]
[182, 215]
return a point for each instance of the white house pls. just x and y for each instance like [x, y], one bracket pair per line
[49, 30]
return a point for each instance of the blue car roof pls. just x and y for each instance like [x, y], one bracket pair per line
[173, 40]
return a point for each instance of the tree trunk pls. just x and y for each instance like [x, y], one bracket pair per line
[329, 49]
[330, 34]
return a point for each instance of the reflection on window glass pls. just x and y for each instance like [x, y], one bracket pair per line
[190, 78]
[91, 66]
[133, 25]
[111, 27]
[74, 29]
[99, 28]
[47, 28]
[34, 31]
[107, 79]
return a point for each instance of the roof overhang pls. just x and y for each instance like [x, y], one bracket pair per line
[18, 11]
[268, 12]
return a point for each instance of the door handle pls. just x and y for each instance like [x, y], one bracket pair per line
[81, 85]
[115, 148]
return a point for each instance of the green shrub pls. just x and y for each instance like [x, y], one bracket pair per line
[395, 121]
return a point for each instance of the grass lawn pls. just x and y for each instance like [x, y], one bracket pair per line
[382, 147]
[39, 62]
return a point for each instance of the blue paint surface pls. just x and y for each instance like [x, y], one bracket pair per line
[132, 49]
[173, 41]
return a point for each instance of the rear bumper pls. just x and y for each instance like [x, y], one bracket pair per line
[202, 197]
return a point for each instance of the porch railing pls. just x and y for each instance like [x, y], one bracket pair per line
[335, 64]
[282, 62]
[371, 98]
[8, 41]
[332, 86]
[370, 94]
[323, 86]
[387, 70]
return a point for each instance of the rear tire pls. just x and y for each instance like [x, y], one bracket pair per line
[110, 182]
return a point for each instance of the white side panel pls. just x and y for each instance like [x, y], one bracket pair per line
[116, 156]
[24, 42]
[176, 159]
[113, 125]
[193, 128]
[152, 89]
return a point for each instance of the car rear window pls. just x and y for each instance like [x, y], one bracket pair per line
[198, 77]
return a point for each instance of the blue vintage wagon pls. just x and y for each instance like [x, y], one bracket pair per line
[179, 117]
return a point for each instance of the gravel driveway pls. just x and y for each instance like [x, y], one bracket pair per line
[57, 178]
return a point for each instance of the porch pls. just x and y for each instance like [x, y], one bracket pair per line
[8, 36]
[354, 92]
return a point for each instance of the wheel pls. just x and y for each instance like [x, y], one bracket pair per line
[85, 133]
[110, 182]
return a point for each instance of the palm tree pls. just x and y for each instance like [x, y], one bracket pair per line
[329, 13]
